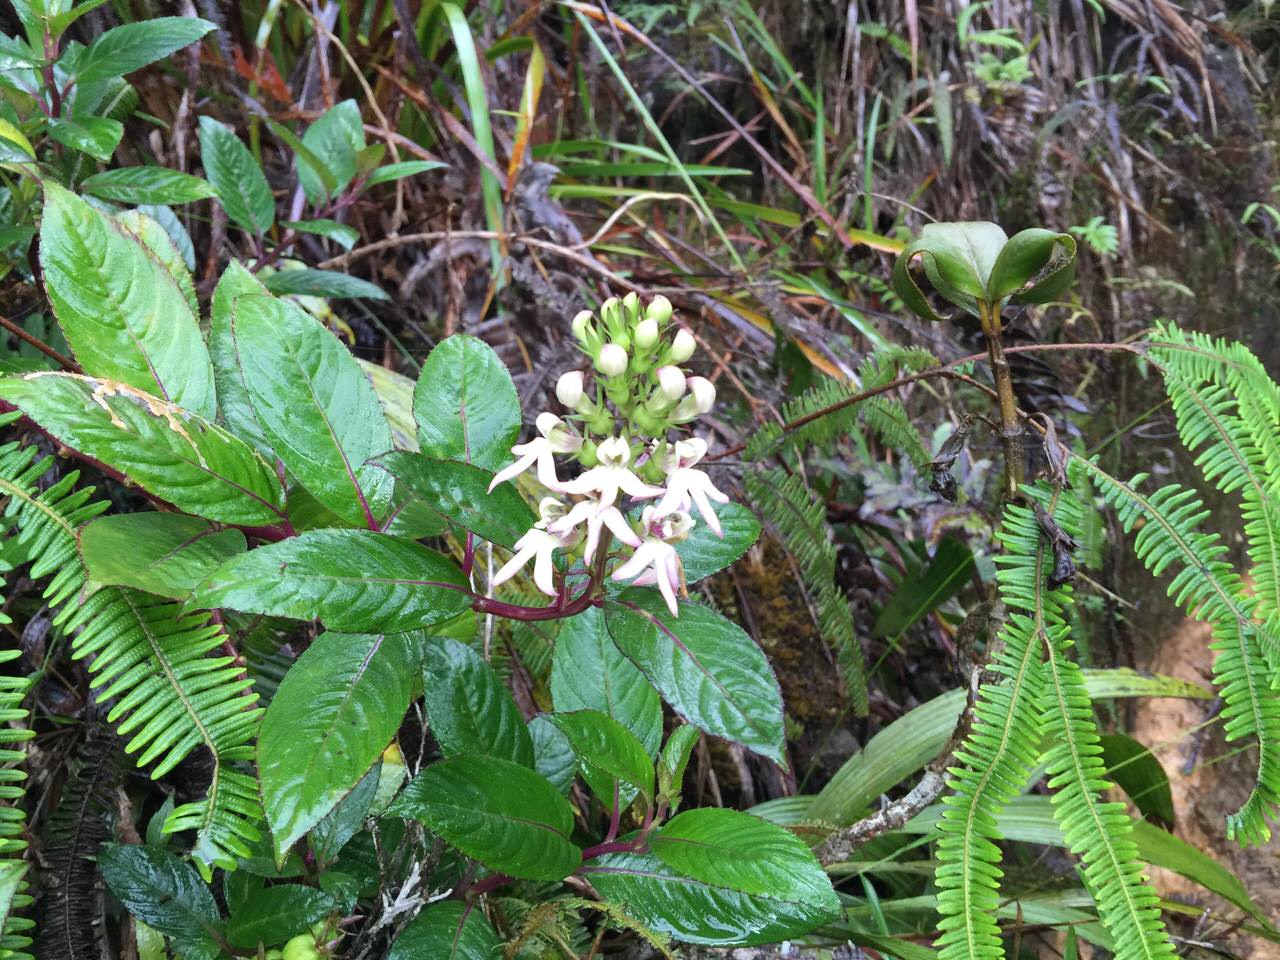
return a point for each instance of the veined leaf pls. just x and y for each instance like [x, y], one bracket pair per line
[614, 763]
[274, 914]
[447, 930]
[498, 812]
[123, 314]
[397, 171]
[703, 553]
[459, 492]
[322, 283]
[354, 580]
[242, 188]
[732, 849]
[314, 404]
[466, 405]
[169, 452]
[131, 47]
[705, 667]
[589, 673]
[167, 554]
[234, 403]
[334, 140]
[160, 890]
[335, 712]
[134, 185]
[470, 710]
[694, 911]
[96, 136]
[155, 237]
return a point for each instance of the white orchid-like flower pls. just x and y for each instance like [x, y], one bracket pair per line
[556, 436]
[688, 487]
[596, 517]
[655, 562]
[538, 544]
[610, 476]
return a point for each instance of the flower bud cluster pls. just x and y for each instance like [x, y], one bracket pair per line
[618, 427]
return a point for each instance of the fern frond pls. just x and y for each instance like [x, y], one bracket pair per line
[1228, 413]
[1169, 538]
[171, 694]
[1095, 830]
[801, 521]
[1000, 750]
[13, 887]
[831, 409]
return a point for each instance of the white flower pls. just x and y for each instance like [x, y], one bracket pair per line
[682, 346]
[611, 476]
[581, 325]
[536, 545]
[687, 487]
[556, 437]
[701, 398]
[671, 383]
[569, 389]
[655, 562]
[612, 360]
[595, 516]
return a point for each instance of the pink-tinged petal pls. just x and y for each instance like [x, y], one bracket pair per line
[644, 555]
[618, 526]
[513, 470]
[668, 593]
[543, 570]
[586, 483]
[646, 579]
[593, 537]
[708, 514]
[576, 515]
[512, 566]
[675, 500]
[635, 487]
[547, 469]
[717, 495]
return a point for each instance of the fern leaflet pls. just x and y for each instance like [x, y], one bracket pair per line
[152, 658]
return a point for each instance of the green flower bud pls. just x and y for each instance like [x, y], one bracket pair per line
[581, 327]
[659, 309]
[646, 334]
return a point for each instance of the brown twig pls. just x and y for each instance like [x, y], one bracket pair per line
[65, 362]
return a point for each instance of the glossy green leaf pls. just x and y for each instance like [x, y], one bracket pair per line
[923, 590]
[335, 712]
[242, 187]
[274, 914]
[610, 756]
[589, 673]
[674, 760]
[703, 553]
[732, 849]
[447, 930]
[1036, 265]
[705, 667]
[334, 140]
[327, 838]
[1138, 772]
[322, 283]
[504, 815]
[234, 404]
[341, 234]
[155, 237]
[123, 314]
[160, 890]
[470, 710]
[460, 492]
[131, 47]
[398, 171]
[171, 453]
[694, 911]
[134, 185]
[168, 554]
[354, 580]
[957, 259]
[314, 404]
[552, 755]
[96, 136]
[466, 405]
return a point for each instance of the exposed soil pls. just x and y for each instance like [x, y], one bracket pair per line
[1210, 779]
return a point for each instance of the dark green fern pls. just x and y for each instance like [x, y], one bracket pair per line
[801, 521]
[14, 731]
[172, 690]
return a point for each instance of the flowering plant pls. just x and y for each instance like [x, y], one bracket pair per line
[620, 432]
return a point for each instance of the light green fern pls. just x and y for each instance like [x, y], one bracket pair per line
[173, 692]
